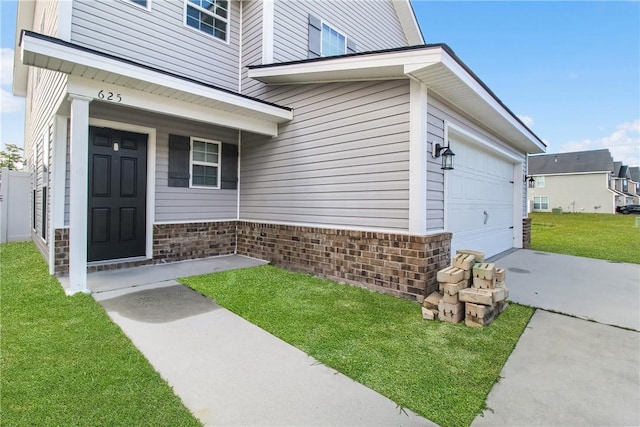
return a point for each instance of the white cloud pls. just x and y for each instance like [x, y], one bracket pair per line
[526, 120]
[10, 103]
[6, 66]
[623, 143]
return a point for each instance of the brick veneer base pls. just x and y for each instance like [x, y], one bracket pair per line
[177, 242]
[397, 264]
[171, 242]
[526, 233]
[61, 251]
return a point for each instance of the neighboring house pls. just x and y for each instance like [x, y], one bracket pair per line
[622, 184]
[576, 182]
[634, 186]
[300, 132]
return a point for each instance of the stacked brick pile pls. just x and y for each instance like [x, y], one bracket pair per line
[470, 289]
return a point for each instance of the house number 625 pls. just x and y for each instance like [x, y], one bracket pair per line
[109, 96]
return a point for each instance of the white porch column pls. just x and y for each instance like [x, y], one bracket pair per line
[418, 158]
[78, 199]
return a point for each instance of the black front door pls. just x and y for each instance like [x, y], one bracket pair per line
[117, 194]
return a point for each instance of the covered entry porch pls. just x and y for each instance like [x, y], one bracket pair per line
[115, 104]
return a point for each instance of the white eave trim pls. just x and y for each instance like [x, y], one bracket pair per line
[427, 65]
[388, 65]
[38, 51]
[408, 21]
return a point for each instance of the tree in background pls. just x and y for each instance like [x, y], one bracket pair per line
[11, 157]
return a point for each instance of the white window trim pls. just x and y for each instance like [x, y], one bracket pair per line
[227, 20]
[192, 162]
[333, 27]
[540, 181]
[540, 203]
[136, 5]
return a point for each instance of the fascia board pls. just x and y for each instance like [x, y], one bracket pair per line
[32, 46]
[408, 21]
[336, 69]
[156, 103]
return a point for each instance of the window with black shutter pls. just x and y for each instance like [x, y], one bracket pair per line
[202, 163]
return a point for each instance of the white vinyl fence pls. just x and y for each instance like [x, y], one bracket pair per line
[15, 197]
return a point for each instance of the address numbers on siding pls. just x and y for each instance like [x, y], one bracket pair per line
[109, 96]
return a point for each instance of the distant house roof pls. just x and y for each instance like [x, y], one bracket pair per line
[624, 172]
[580, 161]
[617, 166]
[635, 173]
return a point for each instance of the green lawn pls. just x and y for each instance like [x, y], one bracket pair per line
[64, 363]
[602, 236]
[439, 370]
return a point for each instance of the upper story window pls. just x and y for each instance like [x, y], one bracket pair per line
[325, 40]
[333, 42]
[539, 181]
[205, 163]
[209, 16]
[625, 185]
[142, 3]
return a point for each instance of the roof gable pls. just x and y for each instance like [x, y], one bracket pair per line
[576, 162]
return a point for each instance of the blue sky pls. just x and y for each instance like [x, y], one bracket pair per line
[571, 70]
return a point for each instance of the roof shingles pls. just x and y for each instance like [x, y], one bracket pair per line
[577, 162]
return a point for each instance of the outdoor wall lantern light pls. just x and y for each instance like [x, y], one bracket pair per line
[530, 179]
[445, 153]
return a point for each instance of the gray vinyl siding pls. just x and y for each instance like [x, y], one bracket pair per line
[176, 204]
[251, 43]
[373, 25]
[45, 91]
[435, 175]
[343, 161]
[158, 38]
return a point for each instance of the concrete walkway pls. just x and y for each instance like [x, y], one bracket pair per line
[565, 370]
[226, 370]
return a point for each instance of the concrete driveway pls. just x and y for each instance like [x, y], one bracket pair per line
[567, 371]
[591, 289]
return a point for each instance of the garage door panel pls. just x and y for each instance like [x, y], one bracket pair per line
[479, 184]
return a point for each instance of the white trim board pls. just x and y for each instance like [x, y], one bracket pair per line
[162, 105]
[268, 19]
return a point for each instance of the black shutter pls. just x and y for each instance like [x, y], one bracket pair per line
[179, 147]
[44, 213]
[229, 177]
[351, 45]
[315, 32]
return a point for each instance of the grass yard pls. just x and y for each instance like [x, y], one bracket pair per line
[64, 363]
[439, 370]
[602, 236]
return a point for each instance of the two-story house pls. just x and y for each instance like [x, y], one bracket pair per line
[312, 134]
[623, 185]
[634, 186]
[582, 181]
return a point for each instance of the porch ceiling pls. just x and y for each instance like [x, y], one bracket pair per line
[57, 55]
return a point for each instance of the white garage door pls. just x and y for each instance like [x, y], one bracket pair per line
[479, 200]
